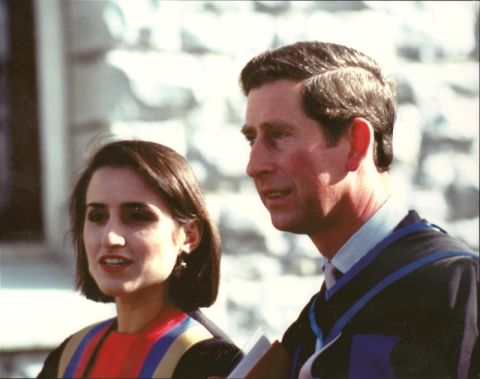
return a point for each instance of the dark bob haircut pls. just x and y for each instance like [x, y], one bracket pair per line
[339, 84]
[170, 175]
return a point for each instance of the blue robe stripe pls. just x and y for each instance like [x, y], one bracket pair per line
[393, 277]
[79, 351]
[161, 346]
[365, 261]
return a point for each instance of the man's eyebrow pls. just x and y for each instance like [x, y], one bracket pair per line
[266, 126]
[276, 124]
[246, 129]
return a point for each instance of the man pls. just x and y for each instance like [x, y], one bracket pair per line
[400, 295]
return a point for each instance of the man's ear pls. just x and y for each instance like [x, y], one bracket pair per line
[360, 135]
[193, 235]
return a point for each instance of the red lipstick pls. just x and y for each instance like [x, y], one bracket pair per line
[114, 263]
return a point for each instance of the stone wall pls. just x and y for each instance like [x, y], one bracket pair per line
[168, 71]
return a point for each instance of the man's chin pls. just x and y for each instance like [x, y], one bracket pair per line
[286, 225]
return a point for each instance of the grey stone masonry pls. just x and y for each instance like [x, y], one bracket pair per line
[168, 71]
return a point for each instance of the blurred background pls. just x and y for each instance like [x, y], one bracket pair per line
[74, 71]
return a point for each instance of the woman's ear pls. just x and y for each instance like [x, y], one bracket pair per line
[193, 231]
[360, 135]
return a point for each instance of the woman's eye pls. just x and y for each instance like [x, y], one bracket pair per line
[96, 216]
[139, 215]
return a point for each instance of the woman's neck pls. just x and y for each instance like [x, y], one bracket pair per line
[135, 313]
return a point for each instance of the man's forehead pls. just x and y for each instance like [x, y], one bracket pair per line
[274, 102]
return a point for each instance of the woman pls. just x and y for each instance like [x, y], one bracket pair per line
[143, 238]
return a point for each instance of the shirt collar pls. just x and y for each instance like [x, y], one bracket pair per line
[377, 228]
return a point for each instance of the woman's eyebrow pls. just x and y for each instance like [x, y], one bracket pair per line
[95, 205]
[134, 204]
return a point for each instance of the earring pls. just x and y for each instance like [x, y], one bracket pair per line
[180, 265]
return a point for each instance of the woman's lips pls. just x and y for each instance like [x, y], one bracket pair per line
[114, 263]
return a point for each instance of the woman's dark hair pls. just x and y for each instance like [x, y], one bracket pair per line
[170, 175]
[340, 83]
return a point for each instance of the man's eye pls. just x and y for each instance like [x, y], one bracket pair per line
[250, 139]
[278, 134]
[96, 216]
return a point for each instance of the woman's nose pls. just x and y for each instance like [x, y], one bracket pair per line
[112, 237]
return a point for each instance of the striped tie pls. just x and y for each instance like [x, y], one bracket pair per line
[331, 274]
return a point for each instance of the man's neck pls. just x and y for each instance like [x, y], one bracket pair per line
[355, 212]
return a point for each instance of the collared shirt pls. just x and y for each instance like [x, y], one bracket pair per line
[370, 234]
[376, 229]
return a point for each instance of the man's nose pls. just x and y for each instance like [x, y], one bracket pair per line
[260, 161]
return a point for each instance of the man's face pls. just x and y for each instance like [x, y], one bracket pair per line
[299, 179]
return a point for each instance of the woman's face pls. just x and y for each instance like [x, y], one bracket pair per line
[130, 238]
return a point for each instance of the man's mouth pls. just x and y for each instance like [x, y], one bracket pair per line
[275, 197]
[276, 194]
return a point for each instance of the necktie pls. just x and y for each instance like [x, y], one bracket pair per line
[331, 274]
